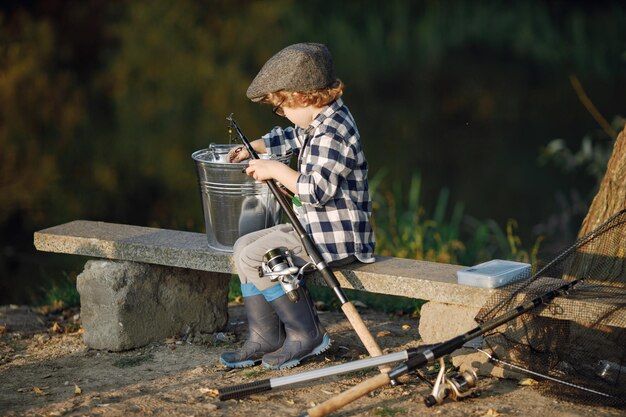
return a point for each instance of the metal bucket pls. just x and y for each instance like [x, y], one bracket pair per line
[234, 204]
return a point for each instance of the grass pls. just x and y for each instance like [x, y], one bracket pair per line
[379, 302]
[405, 229]
[129, 362]
[234, 288]
[62, 293]
[389, 411]
[255, 373]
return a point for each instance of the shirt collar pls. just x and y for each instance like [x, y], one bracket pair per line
[325, 113]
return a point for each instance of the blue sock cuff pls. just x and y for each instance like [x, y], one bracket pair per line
[273, 293]
[248, 290]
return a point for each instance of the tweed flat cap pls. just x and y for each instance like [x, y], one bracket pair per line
[298, 67]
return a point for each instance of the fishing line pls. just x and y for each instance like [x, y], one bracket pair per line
[528, 371]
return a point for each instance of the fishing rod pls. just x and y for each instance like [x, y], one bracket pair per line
[438, 351]
[329, 277]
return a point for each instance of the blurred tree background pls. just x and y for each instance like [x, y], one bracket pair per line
[103, 102]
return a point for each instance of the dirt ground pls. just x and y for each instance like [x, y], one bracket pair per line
[46, 370]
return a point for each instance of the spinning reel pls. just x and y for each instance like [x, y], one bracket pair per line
[278, 265]
[455, 385]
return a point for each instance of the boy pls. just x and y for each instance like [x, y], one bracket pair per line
[331, 183]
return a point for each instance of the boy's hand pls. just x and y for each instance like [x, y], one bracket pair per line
[268, 169]
[263, 169]
[238, 154]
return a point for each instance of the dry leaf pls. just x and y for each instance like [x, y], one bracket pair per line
[170, 340]
[3, 329]
[77, 390]
[527, 382]
[38, 391]
[383, 333]
[56, 328]
[405, 327]
[209, 391]
[492, 412]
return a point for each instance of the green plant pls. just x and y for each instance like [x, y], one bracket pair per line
[485, 240]
[405, 229]
[234, 289]
[62, 293]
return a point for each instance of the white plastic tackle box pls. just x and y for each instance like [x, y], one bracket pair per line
[493, 274]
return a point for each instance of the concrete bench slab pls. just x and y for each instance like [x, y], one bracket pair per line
[134, 243]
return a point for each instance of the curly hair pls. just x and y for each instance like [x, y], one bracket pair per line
[316, 98]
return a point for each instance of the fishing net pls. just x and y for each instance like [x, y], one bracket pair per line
[578, 341]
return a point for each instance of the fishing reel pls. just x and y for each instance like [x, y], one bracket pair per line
[278, 265]
[455, 385]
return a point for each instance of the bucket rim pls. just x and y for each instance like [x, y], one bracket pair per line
[195, 157]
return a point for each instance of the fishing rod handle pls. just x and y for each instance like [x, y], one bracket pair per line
[243, 390]
[348, 396]
[363, 332]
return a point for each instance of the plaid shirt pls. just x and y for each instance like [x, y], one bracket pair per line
[332, 184]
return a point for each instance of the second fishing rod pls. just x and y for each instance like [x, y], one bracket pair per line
[326, 272]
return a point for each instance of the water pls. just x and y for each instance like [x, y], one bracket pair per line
[479, 132]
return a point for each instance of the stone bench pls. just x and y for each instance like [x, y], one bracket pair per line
[153, 283]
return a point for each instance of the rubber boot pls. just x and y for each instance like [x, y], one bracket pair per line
[305, 335]
[265, 334]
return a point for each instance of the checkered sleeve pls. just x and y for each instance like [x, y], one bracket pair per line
[279, 141]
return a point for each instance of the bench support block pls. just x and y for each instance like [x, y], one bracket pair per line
[441, 321]
[125, 305]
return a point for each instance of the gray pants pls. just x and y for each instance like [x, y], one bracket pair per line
[249, 250]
